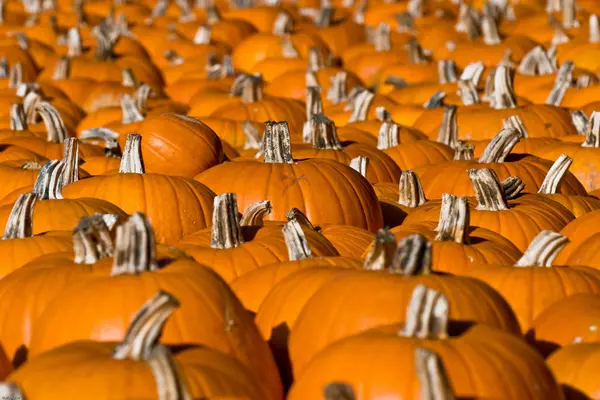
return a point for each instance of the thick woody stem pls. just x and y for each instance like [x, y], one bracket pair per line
[57, 174]
[74, 42]
[536, 62]
[338, 391]
[488, 190]
[447, 71]
[560, 35]
[314, 105]
[130, 112]
[296, 241]
[542, 250]
[104, 44]
[248, 87]
[132, 161]
[473, 72]
[515, 122]
[555, 175]
[512, 187]
[111, 145]
[312, 81]
[468, 93]
[337, 88]
[315, 59]
[62, 69]
[489, 28]
[388, 136]
[412, 256]
[569, 14]
[436, 100]
[382, 251]
[500, 146]
[360, 164]
[448, 131]
[296, 215]
[288, 50]
[382, 41]
[581, 121]
[253, 138]
[10, 390]
[277, 143]
[220, 70]
[17, 117]
[169, 380]
[383, 115]
[226, 231]
[561, 84]
[141, 96]
[503, 96]
[256, 213]
[20, 220]
[416, 54]
[15, 75]
[434, 383]
[426, 315]
[396, 82]
[323, 133]
[360, 105]
[128, 78]
[3, 67]
[592, 135]
[145, 329]
[202, 35]
[283, 24]
[57, 132]
[410, 190]
[454, 219]
[71, 161]
[594, 35]
[92, 239]
[135, 248]
[464, 152]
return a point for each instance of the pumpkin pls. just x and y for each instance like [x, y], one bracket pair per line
[397, 201]
[574, 367]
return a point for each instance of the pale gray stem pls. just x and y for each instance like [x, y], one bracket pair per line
[468, 93]
[128, 78]
[255, 213]
[337, 88]
[20, 220]
[594, 35]
[436, 100]
[412, 256]
[503, 96]
[360, 106]
[515, 122]
[132, 161]
[360, 164]
[226, 228]
[592, 135]
[203, 35]
[433, 379]
[473, 72]
[15, 75]
[427, 314]
[411, 192]
[512, 187]
[92, 240]
[454, 219]
[135, 247]
[464, 152]
[542, 250]
[500, 146]
[447, 71]
[382, 252]
[130, 111]
[277, 143]
[388, 136]
[488, 190]
[322, 133]
[489, 28]
[555, 175]
[448, 131]
[382, 39]
[17, 117]
[580, 120]
[62, 69]
[296, 241]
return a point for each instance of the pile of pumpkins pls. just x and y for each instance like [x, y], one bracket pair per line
[268, 200]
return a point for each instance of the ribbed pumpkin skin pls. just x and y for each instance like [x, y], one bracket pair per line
[208, 306]
[576, 369]
[361, 300]
[349, 241]
[422, 152]
[483, 363]
[326, 191]
[190, 203]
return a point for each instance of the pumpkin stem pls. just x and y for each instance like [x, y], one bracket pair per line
[411, 190]
[396, 82]
[277, 143]
[111, 146]
[542, 250]
[360, 105]
[560, 35]
[488, 190]
[31, 165]
[324, 18]
[15, 76]
[169, 381]
[314, 106]
[448, 132]
[512, 187]
[173, 57]
[213, 15]
[412, 256]
[447, 71]
[283, 24]
[360, 164]
[468, 21]
[594, 35]
[383, 115]
[287, 48]
[92, 239]
[515, 122]
[382, 251]
[57, 132]
[500, 146]
[555, 175]
[220, 70]
[489, 28]
[20, 220]
[473, 72]
[569, 12]
[468, 92]
[323, 133]
[581, 121]
[130, 111]
[202, 35]
[592, 135]
[104, 43]
[536, 62]
[3, 67]
[248, 87]
[132, 161]
[71, 161]
[17, 117]
[503, 96]
[433, 379]
[226, 231]
[336, 93]
[56, 174]
[145, 329]
[300, 217]
[255, 213]
[454, 219]
[62, 69]
[295, 240]
[315, 59]
[135, 248]
[416, 54]
[253, 139]
[388, 136]
[10, 390]
[426, 315]
[381, 39]
[561, 83]
[436, 100]
[128, 78]
[464, 152]
[338, 391]
[311, 80]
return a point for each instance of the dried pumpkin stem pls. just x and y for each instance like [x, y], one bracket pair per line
[416, 54]
[17, 117]
[49, 182]
[488, 190]
[248, 87]
[594, 30]
[130, 111]
[3, 67]
[448, 131]
[132, 161]
[128, 78]
[383, 115]
[169, 381]
[92, 240]
[311, 81]
[464, 152]
[489, 29]
[255, 214]
[426, 315]
[283, 24]
[145, 329]
[296, 215]
[141, 96]
[202, 35]
[360, 105]
[253, 139]
[500, 146]
[62, 69]
[515, 122]
[288, 50]
[436, 100]
[592, 135]
[410, 190]
[360, 164]
[74, 42]
[473, 72]
[454, 219]
[561, 84]
[111, 146]
[382, 252]
[555, 175]
[10, 390]
[338, 391]
[57, 132]
[277, 146]
[104, 44]
[468, 93]
[580, 120]
[323, 133]
[503, 96]
[512, 187]
[536, 62]
[295, 240]
[20, 220]
[226, 232]
[382, 40]
[412, 257]
[336, 93]
[71, 161]
[433, 379]
[542, 250]
[15, 75]
[315, 59]
[314, 105]
[569, 14]
[388, 136]
[447, 71]
[135, 248]
[560, 34]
